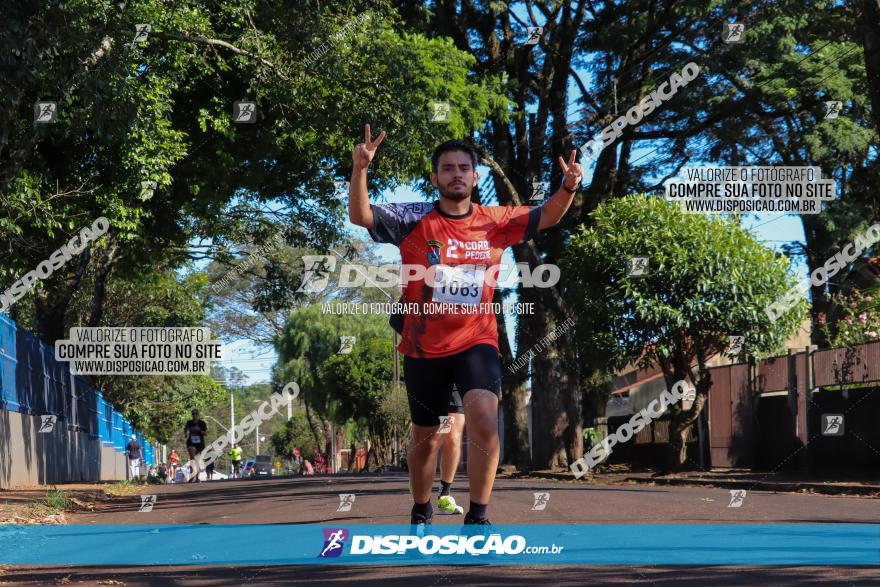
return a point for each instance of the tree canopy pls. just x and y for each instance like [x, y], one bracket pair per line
[707, 279]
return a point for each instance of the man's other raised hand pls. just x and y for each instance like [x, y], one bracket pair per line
[364, 152]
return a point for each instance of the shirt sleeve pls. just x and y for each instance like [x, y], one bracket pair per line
[513, 224]
[393, 222]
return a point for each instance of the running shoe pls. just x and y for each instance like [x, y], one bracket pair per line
[448, 507]
[476, 526]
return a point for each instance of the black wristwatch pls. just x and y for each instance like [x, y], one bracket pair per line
[577, 187]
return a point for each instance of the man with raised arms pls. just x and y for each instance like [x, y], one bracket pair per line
[459, 348]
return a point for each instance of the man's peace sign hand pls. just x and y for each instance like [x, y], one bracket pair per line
[364, 152]
[573, 171]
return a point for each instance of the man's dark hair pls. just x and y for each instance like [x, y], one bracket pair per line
[465, 146]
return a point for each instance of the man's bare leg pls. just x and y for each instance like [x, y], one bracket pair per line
[481, 413]
[450, 455]
[450, 451]
[422, 461]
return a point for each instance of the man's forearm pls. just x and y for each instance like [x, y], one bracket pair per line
[555, 208]
[359, 211]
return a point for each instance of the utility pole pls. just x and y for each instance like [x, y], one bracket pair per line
[256, 401]
[232, 418]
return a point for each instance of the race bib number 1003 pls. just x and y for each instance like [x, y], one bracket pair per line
[458, 286]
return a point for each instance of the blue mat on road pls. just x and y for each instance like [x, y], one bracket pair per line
[582, 544]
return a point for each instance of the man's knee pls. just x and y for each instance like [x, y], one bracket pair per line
[483, 428]
[425, 440]
[452, 441]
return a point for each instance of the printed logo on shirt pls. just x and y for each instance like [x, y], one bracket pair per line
[472, 250]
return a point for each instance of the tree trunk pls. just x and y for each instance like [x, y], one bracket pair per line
[677, 370]
[817, 241]
[513, 398]
[313, 425]
[870, 32]
[372, 455]
[328, 443]
[50, 310]
[597, 386]
[103, 272]
[549, 418]
[678, 428]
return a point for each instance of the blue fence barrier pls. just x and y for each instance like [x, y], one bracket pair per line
[33, 382]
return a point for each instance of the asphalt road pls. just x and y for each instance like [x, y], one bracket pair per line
[385, 500]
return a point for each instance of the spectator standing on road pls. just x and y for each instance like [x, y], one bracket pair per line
[194, 431]
[133, 450]
[319, 462]
[162, 473]
[298, 461]
[352, 455]
[174, 461]
[235, 456]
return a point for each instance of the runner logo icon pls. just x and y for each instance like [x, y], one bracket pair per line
[541, 500]
[445, 424]
[737, 497]
[346, 500]
[334, 540]
[47, 423]
[316, 274]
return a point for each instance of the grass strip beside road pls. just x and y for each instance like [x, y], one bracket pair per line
[29, 507]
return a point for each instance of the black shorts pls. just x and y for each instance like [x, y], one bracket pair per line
[429, 382]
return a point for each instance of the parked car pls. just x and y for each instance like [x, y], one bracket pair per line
[247, 469]
[263, 466]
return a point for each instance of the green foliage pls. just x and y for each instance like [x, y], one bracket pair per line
[357, 383]
[162, 111]
[310, 339]
[156, 405]
[591, 437]
[159, 406]
[707, 279]
[57, 500]
[295, 434]
[252, 293]
[859, 322]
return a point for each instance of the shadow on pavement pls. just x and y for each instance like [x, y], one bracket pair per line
[384, 576]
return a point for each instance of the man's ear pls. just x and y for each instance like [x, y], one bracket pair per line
[434, 179]
[476, 177]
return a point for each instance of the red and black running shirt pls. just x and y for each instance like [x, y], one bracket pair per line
[428, 236]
